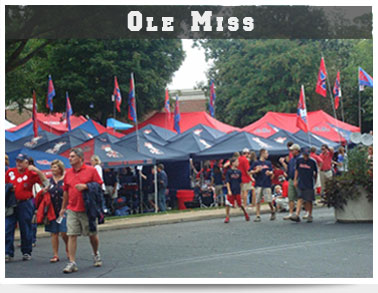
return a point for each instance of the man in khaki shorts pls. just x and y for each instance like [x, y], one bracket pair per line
[75, 182]
[246, 177]
[263, 172]
[290, 169]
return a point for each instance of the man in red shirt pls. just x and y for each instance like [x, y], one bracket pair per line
[75, 182]
[23, 177]
[246, 177]
[326, 168]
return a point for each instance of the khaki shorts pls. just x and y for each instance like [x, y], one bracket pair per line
[292, 191]
[109, 190]
[218, 190]
[246, 186]
[263, 191]
[78, 224]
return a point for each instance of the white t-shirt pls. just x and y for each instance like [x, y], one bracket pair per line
[99, 171]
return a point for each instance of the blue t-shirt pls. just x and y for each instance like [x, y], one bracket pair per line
[262, 180]
[234, 178]
[306, 170]
[217, 177]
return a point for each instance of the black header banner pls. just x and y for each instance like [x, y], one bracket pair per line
[188, 22]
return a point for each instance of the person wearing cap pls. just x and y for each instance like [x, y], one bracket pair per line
[290, 169]
[246, 177]
[306, 172]
[326, 168]
[23, 177]
[76, 181]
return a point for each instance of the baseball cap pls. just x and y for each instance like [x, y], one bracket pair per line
[306, 151]
[295, 147]
[245, 150]
[22, 157]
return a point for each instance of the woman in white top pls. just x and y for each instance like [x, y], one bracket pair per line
[96, 162]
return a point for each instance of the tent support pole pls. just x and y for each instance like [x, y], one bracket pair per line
[140, 192]
[156, 190]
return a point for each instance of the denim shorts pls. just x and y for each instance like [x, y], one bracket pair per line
[54, 227]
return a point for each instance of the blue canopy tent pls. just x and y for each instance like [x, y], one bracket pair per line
[10, 136]
[106, 137]
[88, 126]
[42, 160]
[29, 141]
[153, 134]
[59, 145]
[118, 125]
[202, 131]
[191, 143]
[23, 132]
[79, 133]
[314, 140]
[176, 162]
[239, 141]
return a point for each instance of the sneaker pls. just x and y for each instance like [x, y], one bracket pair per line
[309, 219]
[26, 256]
[246, 217]
[227, 220]
[295, 218]
[8, 258]
[97, 262]
[257, 219]
[287, 217]
[71, 267]
[305, 216]
[273, 216]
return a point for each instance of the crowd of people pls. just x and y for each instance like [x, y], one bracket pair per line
[70, 202]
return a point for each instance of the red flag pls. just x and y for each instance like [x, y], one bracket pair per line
[34, 115]
[132, 105]
[302, 112]
[117, 95]
[321, 87]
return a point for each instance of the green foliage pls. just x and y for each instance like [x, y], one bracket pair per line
[253, 77]
[342, 188]
[86, 69]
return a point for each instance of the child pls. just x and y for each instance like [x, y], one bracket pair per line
[233, 183]
[281, 201]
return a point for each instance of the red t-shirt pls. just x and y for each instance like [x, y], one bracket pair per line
[317, 158]
[244, 168]
[277, 173]
[85, 175]
[327, 160]
[285, 188]
[22, 182]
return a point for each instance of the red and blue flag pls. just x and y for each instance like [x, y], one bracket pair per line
[34, 115]
[337, 90]
[132, 108]
[177, 116]
[117, 95]
[69, 112]
[364, 79]
[321, 87]
[212, 99]
[50, 94]
[302, 112]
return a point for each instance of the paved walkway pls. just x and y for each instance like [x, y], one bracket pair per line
[163, 218]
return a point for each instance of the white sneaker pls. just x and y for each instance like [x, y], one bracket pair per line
[287, 217]
[97, 262]
[71, 267]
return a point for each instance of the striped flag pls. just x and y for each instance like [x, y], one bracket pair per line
[212, 99]
[132, 108]
[337, 90]
[50, 94]
[321, 88]
[34, 115]
[302, 112]
[177, 116]
[69, 112]
[117, 94]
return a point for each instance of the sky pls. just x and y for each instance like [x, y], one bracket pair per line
[192, 70]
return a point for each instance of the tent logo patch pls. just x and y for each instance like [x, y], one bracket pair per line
[280, 139]
[32, 142]
[56, 148]
[152, 149]
[261, 143]
[110, 152]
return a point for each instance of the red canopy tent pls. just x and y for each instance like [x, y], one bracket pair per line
[319, 122]
[54, 123]
[188, 120]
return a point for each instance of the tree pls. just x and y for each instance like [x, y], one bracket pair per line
[256, 76]
[86, 68]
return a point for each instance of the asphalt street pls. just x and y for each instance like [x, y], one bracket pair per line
[212, 249]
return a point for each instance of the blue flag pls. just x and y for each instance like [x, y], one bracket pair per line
[177, 117]
[68, 112]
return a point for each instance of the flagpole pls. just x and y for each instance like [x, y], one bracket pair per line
[136, 116]
[359, 101]
[308, 127]
[332, 102]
